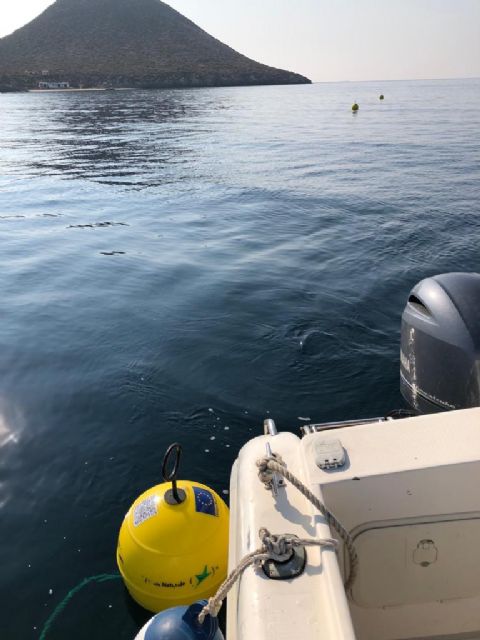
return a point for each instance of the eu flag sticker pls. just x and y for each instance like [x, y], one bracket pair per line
[205, 501]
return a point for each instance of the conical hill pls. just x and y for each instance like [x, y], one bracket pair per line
[141, 43]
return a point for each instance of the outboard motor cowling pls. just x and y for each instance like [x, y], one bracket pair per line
[440, 344]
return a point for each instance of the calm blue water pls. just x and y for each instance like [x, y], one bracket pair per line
[178, 265]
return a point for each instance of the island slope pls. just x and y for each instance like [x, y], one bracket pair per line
[125, 43]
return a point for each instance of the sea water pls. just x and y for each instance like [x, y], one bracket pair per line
[178, 266]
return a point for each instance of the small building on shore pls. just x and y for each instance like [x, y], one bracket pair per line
[54, 85]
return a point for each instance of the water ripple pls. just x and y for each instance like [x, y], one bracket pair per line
[179, 265]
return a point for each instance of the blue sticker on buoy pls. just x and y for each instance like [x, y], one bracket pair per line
[205, 501]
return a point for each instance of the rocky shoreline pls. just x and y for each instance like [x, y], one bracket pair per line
[18, 83]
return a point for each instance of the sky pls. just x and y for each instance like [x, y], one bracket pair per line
[331, 40]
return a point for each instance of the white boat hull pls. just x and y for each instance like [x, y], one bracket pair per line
[409, 494]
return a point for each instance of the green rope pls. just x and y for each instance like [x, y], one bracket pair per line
[103, 577]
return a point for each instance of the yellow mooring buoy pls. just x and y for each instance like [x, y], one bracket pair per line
[382, 97]
[355, 107]
[173, 543]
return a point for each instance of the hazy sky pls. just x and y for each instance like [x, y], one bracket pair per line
[331, 39]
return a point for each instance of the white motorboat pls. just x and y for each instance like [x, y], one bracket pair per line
[368, 529]
[406, 490]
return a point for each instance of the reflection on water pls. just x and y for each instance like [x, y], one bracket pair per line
[11, 423]
[134, 139]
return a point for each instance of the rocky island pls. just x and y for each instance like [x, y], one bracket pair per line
[124, 43]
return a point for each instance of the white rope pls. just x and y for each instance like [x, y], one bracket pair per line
[270, 465]
[279, 548]
[273, 548]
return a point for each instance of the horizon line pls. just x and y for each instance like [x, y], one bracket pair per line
[398, 80]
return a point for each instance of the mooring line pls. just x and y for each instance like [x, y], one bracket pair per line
[102, 577]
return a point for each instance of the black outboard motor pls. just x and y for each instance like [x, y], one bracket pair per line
[440, 346]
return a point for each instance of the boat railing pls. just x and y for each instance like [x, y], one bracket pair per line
[325, 426]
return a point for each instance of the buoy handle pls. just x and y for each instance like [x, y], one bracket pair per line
[173, 495]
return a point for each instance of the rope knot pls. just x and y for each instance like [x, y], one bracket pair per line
[212, 608]
[279, 548]
[265, 468]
